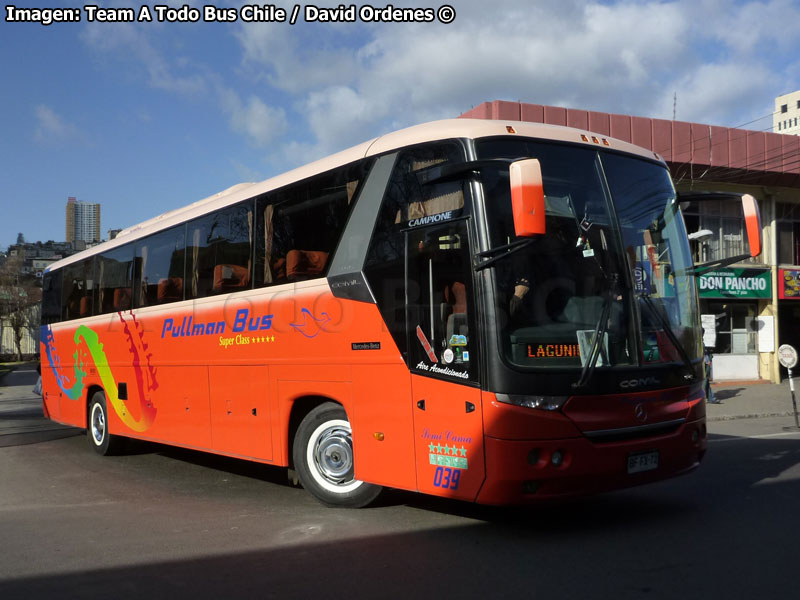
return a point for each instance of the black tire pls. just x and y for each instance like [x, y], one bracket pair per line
[323, 459]
[97, 432]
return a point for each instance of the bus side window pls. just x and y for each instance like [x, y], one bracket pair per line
[115, 280]
[160, 259]
[300, 226]
[77, 300]
[51, 297]
[219, 251]
[407, 203]
[439, 300]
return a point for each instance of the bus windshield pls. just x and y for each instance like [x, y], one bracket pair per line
[610, 283]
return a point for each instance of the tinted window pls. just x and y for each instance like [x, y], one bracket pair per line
[78, 284]
[115, 280]
[159, 265]
[219, 252]
[300, 226]
[406, 200]
[51, 297]
[439, 301]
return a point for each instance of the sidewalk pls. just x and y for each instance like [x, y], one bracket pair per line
[750, 400]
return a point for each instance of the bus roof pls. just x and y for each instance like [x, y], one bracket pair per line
[417, 134]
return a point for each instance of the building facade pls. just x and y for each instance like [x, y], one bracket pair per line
[36, 256]
[83, 222]
[786, 118]
[750, 308]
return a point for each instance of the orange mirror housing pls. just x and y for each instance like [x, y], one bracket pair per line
[527, 197]
[752, 220]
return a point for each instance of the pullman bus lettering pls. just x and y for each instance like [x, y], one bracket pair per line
[257, 323]
[188, 328]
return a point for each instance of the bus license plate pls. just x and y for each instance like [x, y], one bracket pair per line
[645, 461]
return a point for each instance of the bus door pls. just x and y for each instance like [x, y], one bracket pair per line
[448, 424]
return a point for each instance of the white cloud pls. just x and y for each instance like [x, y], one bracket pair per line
[53, 130]
[592, 56]
[772, 26]
[262, 124]
[342, 83]
[713, 93]
[297, 59]
[135, 42]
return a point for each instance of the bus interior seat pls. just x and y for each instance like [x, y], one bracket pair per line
[86, 307]
[582, 309]
[585, 311]
[455, 309]
[122, 299]
[305, 264]
[229, 278]
[278, 269]
[170, 289]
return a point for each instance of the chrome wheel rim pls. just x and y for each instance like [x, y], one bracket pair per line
[333, 455]
[98, 424]
[329, 457]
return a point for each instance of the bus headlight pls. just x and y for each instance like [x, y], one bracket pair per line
[541, 402]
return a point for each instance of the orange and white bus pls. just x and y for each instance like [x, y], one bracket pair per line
[494, 312]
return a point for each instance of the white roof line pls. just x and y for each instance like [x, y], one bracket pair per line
[427, 132]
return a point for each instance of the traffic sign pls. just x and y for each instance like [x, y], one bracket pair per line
[787, 356]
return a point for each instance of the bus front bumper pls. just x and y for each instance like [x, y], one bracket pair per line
[529, 471]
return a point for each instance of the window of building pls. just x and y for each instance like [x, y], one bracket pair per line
[788, 221]
[784, 108]
[736, 327]
[725, 221]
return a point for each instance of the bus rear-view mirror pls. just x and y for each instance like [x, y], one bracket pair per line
[752, 220]
[527, 197]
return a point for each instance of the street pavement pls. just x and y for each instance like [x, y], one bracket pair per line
[743, 400]
[21, 418]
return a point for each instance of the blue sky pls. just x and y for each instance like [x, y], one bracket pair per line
[146, 117]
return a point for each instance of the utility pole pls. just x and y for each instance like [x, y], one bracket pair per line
[674, 105]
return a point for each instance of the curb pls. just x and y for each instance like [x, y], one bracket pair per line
[748, 416]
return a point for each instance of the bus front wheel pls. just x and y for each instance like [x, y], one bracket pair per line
[97, 432]
[323, 459]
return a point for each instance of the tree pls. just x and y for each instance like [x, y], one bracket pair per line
[19, 302]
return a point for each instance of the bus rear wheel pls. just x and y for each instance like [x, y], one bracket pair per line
[323, 459]
[97, 432]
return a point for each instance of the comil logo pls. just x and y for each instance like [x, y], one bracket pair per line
[641, 382]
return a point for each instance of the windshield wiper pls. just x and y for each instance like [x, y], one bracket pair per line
[667, 327]
[508, 250]
[600, 330]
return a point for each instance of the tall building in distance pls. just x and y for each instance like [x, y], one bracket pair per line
[786, 118]
[83, 222]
